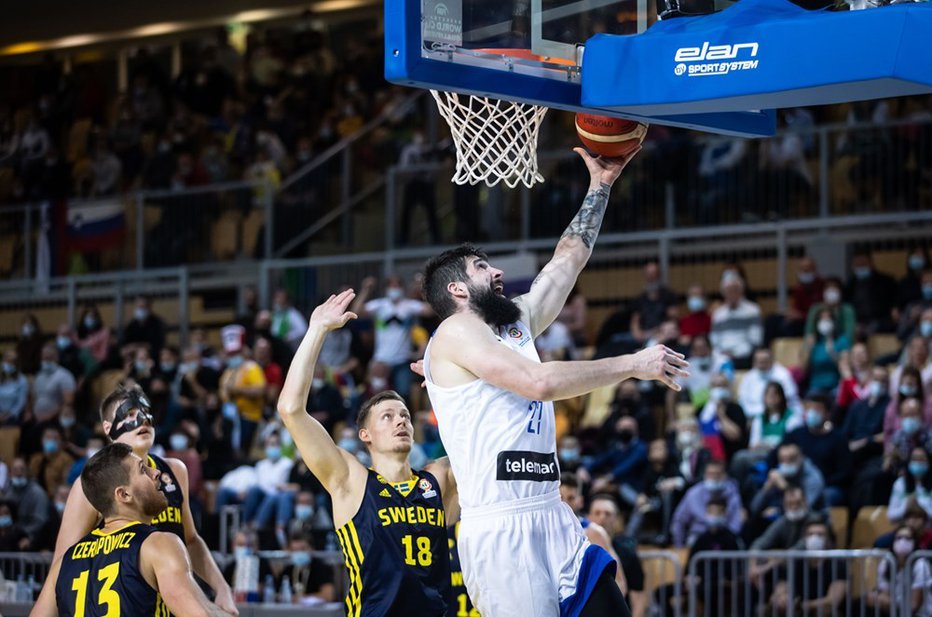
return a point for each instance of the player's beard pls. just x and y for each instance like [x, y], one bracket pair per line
[153, 503]
[494, 309]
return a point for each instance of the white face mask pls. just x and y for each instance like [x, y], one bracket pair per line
[815, 543]
[831, 296]
[826, 327]
[394, 293]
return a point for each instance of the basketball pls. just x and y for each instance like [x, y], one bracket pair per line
[609, 137]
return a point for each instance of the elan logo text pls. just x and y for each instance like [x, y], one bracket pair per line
[715, 52]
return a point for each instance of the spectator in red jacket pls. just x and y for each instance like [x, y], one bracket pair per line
[697, 320]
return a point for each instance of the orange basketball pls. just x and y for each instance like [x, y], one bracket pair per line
[610, 137]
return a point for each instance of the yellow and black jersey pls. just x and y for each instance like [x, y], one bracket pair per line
[461, 605]
[170, 518]
[100, 576]
[396, 550]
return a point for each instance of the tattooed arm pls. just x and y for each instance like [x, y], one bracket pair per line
[541, 305]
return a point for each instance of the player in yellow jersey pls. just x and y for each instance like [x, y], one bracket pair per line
[126, 567]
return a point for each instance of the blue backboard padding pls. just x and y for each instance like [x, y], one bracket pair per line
[405, 65]
[802, 58]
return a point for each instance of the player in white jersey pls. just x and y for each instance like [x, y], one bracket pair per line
[522, 550]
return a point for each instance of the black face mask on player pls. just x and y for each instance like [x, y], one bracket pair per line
[134, 401]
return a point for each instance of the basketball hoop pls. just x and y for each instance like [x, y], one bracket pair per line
[495, 140]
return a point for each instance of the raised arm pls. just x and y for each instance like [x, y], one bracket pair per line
[165, 565]
[465, 346]
[549, 291]
[335, 468]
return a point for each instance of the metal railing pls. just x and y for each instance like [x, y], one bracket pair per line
[353, 199]
[795, 583]
[663, 582]
[908, 576]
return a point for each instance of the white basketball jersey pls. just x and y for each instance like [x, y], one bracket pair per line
[501, 445]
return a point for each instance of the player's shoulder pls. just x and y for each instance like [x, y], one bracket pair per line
[462, 325]
[161, 543]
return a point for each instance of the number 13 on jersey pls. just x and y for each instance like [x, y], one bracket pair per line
[535, 412]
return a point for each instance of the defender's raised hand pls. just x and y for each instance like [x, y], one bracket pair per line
[662, 364]
[332, 314]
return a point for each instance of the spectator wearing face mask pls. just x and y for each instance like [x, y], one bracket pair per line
[303, 519]
[629, 402]
[891, 590]
[242, 388]
[792, 469]
[12, 536]
[51, 466]
[915, 484]
[247, 569]
[691, 454]
[662, 487]
[689, 519]
[264, 500]
[29, 345]
[653, 306]
[808, 292]
[822, 353]
[825, 445]
[765, 370]
[916, 356]
[52, 388]
[917, 519]
[310, 579]
[910, 385]
[855, 370]
[14, 391]
[621, 465]
[74, 434]
[737, 328]
[819, 585]
[872, 294]
[92, 334]
[909, 288]
[569, 454]
[94, 445]
[145, 329]
[912, 434]
[394, 317]
[288, 323]
[722, 422]
[917, 313]
[842, 313]
[787, 530]
[765, 434]
[32, 503]
[863, 429]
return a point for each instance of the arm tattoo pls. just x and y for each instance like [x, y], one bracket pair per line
[588, 220]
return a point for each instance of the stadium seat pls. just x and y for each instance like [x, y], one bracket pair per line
[883, 344]
[597, 406]
[659, 572]
[870, 523]
[786, 351]
[839, 519]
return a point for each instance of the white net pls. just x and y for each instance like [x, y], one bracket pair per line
[496, 141]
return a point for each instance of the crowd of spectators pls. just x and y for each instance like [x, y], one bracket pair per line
[752, 453]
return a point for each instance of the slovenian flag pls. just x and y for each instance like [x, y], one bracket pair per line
[94, 226]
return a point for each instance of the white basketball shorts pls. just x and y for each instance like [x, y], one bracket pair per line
[528, 558]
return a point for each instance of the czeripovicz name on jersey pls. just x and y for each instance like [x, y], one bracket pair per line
[522, 465]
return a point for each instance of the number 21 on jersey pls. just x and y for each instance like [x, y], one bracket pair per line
[535, 412]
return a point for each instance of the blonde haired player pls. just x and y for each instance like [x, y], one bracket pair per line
[523, 551]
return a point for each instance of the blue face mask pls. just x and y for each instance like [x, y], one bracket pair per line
[907, 390]
[925, 329]
[788, 469]
[715, 522]
[918, 468]
[814, 418]
[917, 262]
[8, 368]
[303, 511]
[273, 452]
[911, 425]
[234, 361]
[695, 303]
[63, 342]
[49, 446]
[927, 292]
[713, 485]
[862, 272]
[6, 520]
[569, 455]
[242, 551]
[301, 559]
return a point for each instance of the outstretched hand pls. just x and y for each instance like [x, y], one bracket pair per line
[662, 364]
[604, 170]
[332, 314]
